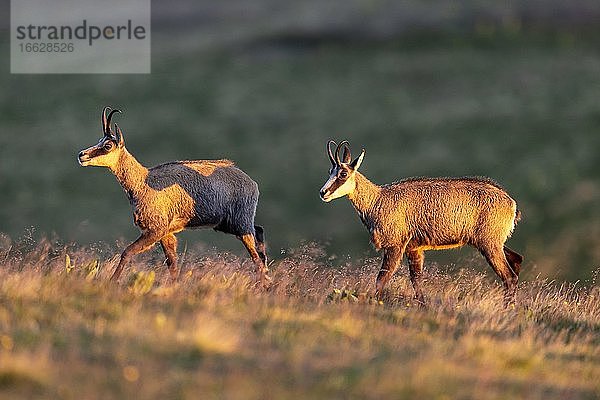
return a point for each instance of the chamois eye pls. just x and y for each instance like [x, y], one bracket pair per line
[108, 146]
[343, 174]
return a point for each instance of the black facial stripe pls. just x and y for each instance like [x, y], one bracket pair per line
[335, 185]
[97, 151]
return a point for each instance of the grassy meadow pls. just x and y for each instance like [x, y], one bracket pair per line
[427, 88]
[67, 333]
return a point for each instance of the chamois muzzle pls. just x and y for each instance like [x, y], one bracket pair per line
[326, 191]
[82, 157]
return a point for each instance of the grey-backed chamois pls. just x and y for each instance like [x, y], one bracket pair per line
[419, 214]
[171, 197]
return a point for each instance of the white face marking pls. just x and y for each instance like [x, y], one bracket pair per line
[345, 189]
[105, 160]
[325, 188]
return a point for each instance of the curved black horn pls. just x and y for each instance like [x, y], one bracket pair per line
[104, 110]
[329, 152]
[108, 131]
[339, 147]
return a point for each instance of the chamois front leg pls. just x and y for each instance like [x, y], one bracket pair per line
[392, 257]
[142, 244]
[169, 246]
[249, 242]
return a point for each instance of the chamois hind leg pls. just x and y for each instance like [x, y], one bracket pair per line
[514, 259]
[415, 266]
[259, 234]
[169, 246]
[141, 244]
[495, 257]
[392, 257]
[263, 272]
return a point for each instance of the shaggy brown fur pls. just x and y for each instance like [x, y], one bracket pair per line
[419, 214]
[171, 197]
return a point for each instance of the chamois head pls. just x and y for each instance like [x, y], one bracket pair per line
[342, 172]
[111, 144]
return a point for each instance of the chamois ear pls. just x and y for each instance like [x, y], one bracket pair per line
[357, 161]
[119, 136]
[337, 151]
[346, 157]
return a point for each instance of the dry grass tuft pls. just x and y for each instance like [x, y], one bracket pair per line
[66, 332]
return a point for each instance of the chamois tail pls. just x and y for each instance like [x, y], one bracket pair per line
[514, 259]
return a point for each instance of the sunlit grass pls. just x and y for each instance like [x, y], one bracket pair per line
[318, 333]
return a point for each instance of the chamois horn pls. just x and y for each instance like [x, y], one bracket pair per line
[108, 132]
[329, 152]
[104, 111]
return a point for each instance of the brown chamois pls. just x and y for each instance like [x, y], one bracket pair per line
[419, 214]
[171, 197]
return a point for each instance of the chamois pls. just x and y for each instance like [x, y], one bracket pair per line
[170, 197]
[418, 214]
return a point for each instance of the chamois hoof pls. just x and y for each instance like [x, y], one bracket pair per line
[420, 302]
[266, 282]
[382, 296]
[173, 277]
[114, 278]
[509, 303]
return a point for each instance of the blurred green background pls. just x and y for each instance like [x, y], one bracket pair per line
[509, 90]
